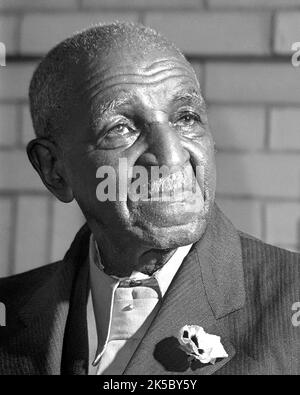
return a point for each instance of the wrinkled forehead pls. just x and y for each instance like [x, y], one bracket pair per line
[126, 69]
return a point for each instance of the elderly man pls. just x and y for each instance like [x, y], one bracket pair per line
[158, 282]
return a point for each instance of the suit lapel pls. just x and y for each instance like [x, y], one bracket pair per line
[76, 349]
[208, 286]
[41, 322]
[38, 325]
[183, 304]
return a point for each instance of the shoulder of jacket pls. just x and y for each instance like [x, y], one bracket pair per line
[258, 249]
[20, 284]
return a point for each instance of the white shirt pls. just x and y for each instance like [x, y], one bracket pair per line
[119, 317]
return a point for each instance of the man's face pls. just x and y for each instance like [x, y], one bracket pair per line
[147, 111]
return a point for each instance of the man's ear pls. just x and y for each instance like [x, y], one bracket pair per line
[43, 156]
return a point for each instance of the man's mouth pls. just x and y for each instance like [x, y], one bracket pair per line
[181, 186]
[166, 210]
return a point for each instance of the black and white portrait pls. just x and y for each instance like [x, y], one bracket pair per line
[150, 188]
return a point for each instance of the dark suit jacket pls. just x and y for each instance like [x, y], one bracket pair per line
[231, 284]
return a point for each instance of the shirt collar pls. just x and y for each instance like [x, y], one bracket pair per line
[164, 275]
[103, 288]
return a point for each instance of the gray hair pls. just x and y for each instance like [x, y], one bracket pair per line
[51, 86]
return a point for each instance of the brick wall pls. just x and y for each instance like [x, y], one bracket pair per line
[241, 52]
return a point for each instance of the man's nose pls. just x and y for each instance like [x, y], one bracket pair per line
[164, 147]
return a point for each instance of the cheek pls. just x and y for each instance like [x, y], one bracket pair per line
[95, 183]
[210, 171]
[211, 160]
[202, 158]
[82, 169]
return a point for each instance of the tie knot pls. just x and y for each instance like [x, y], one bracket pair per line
[128, 283]
[150, 282]
[131, 282]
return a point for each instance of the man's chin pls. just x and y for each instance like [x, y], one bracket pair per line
[165, 214]
[171, 232]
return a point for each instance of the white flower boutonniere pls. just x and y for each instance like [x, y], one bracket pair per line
[201, 345]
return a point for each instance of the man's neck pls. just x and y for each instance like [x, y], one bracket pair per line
[153, 260]
[121, 261]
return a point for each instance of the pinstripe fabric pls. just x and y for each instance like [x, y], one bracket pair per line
[230, 283]
[262, 331]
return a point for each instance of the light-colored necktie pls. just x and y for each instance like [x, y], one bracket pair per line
[133, 310]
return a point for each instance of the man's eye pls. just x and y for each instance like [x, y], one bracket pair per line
[119, 129]
[119, 135]
[187, 120]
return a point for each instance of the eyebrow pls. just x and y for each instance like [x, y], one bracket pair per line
[112, 105]
[190, 96]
